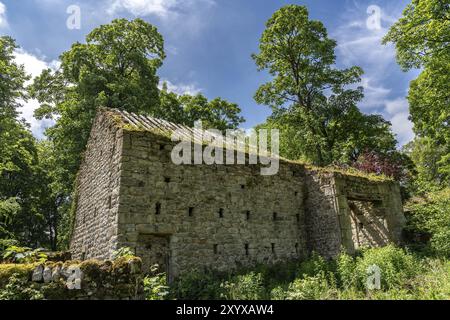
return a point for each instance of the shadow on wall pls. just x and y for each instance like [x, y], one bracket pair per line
[322, 222]
[368, 224]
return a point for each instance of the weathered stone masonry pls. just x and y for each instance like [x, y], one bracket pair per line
[185, 217]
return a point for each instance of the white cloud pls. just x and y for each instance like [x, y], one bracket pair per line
[191, 89]
[33, 66]
[190, 16]
[397, 112]
[3, 20]
[360, 45]
[374, 95]
[160, 8]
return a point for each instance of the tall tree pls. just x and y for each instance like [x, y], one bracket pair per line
[20, 214]
[309, 97]
[422, 40]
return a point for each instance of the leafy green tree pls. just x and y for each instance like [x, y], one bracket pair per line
[116, 67]
[20, 183]
[309, 96]
[186, 109]
[422, 40]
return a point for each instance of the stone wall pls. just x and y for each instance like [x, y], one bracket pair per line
[73, 280]
[186, 217]
[201, 216]
[97, 193]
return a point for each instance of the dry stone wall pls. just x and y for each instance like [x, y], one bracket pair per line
[75, 280]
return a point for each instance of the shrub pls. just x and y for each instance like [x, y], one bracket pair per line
[310, 288]
[430, 214]
[18, 288]
[123, 252]
[6, 243]
[17, 254]
[315, 265]
[396, 266]
[245, 287]
[198, 286]
[155, 286]
[346, 271]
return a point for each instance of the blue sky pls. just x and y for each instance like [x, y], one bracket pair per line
[209, 43]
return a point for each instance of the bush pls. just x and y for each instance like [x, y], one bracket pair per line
[198, 286]
[396, 266]
[6, 243]
[123, 252]
[346, 271]
[430, 214]
[315, 265]
[18, 288]
[245, 287]
[17, 254]
[310, 288]
[155, 286]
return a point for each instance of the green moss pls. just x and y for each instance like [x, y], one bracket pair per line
[352, 172]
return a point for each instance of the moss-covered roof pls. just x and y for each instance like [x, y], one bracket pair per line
[163, 128]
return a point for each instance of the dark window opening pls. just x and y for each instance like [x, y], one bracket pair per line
[166, 179]
[247, 215]
[220, 213]
[246, 249]
[215, 249]
[297, 216]
[191, 211]
[158, 208]
[141, 184]
[109, 202]
[274, 216]
[242, 186]
[361, 226]
[296, 193]
[161, 147]
[296, 248]
[273, 247]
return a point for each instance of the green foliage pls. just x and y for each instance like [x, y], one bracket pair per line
[403, 276]
[421, 37]
[155, 285]
[396, 265]
[422, 33]
[245, 287]
[23, 181]
[6, 243]
[186, 109]
[312, 106]
[16, 254]
[309, 288]
[198, 286]
[430, 214]
[18, 288]
[124, 252]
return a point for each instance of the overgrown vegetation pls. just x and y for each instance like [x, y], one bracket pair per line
[403, 276]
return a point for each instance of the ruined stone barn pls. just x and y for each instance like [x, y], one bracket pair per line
[129, 193]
